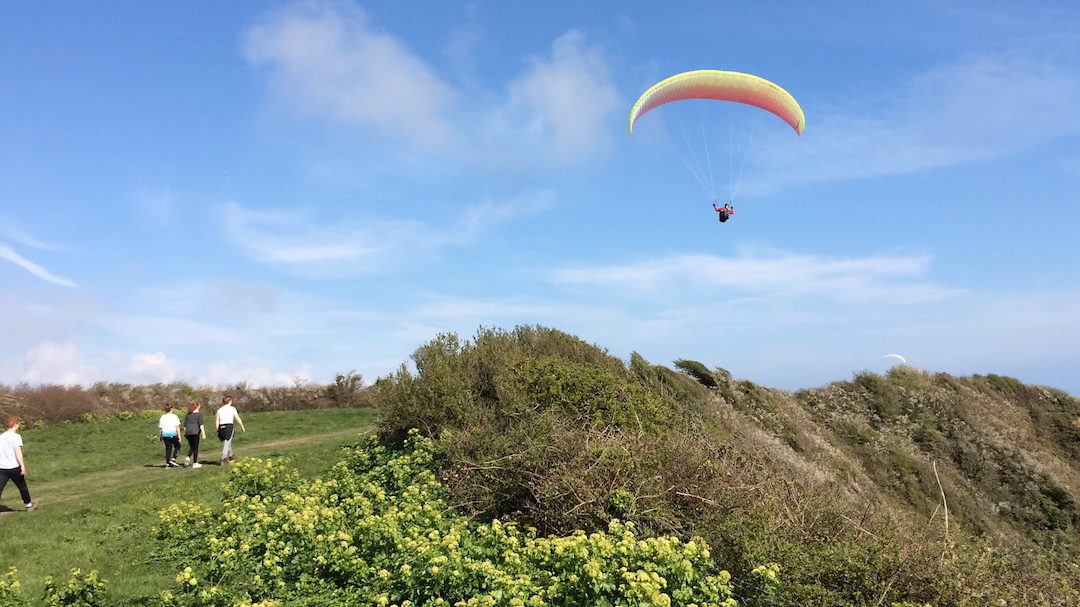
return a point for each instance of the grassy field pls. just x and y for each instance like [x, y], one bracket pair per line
[101, 485]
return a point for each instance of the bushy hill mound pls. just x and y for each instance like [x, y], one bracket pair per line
[909, 486]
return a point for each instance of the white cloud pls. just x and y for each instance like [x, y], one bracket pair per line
[325, 59]
[33, 268]
[973, 110]
[57, 363]
[892, 279]
[65, 363]
[563, 102]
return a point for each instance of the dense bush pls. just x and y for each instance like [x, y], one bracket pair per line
[377, 531]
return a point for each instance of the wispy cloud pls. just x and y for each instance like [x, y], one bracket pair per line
[293, 239]
[893, 279]
[352, 246]
[973, 110]
[156, 204]
[491, 212]
[10, 229]
[35, 269]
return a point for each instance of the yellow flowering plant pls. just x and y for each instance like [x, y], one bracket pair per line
[10, 590]
[81, 590]
[377, 530]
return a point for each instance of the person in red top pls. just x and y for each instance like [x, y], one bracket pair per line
[725, 211]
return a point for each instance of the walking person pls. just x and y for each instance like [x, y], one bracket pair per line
[224, 419]
[169, 433]
[12, 465]
[193, 431]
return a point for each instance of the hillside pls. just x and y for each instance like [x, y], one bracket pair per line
[846, 486]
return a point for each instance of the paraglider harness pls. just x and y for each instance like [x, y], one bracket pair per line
[725, 211]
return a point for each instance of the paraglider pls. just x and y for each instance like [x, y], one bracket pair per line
[721, 86]
[902, 359]
[725, 211]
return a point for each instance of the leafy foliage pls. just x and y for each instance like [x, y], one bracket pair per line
[378, 531]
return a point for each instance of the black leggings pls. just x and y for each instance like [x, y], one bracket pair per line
[20, 482]
[172, 448]
[193, 447]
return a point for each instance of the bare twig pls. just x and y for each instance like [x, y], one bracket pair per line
[578, 506]
[944, 504]
[860, 528]
[698, 497]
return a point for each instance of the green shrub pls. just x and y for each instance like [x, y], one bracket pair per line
[884, 396]
[346, 389]
[82, 590]
[698, 371]
[1005, 384]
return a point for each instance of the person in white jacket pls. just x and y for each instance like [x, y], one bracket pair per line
[12, 464]
[169, 433]
[224, 420]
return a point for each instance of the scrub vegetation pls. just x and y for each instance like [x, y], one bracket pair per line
[529, 467]
[51, 404]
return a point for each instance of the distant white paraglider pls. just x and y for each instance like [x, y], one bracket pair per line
[902, 359]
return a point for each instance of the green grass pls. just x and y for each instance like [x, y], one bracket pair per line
[101, 486]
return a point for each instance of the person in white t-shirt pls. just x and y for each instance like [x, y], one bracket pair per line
[12, 465]
[169, 433]
[224, 419]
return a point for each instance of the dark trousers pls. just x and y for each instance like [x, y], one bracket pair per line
[193, 447]
[20, 482]
[172, 448]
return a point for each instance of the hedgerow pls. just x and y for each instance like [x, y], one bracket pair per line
[378, 531]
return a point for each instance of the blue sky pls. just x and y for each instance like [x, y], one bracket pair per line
[222, 192]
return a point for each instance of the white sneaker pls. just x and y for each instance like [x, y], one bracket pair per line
[187, 461]
[196, 465]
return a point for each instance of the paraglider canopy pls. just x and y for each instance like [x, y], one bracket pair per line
[722, 86]
[902, 359]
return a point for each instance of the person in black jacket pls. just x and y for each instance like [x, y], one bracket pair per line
[725, 211]
[193, 431]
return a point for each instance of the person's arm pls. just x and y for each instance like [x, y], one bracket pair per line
[19, 457]
[217, 424]
[202, 430]
[240, 421]
[179, 434]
